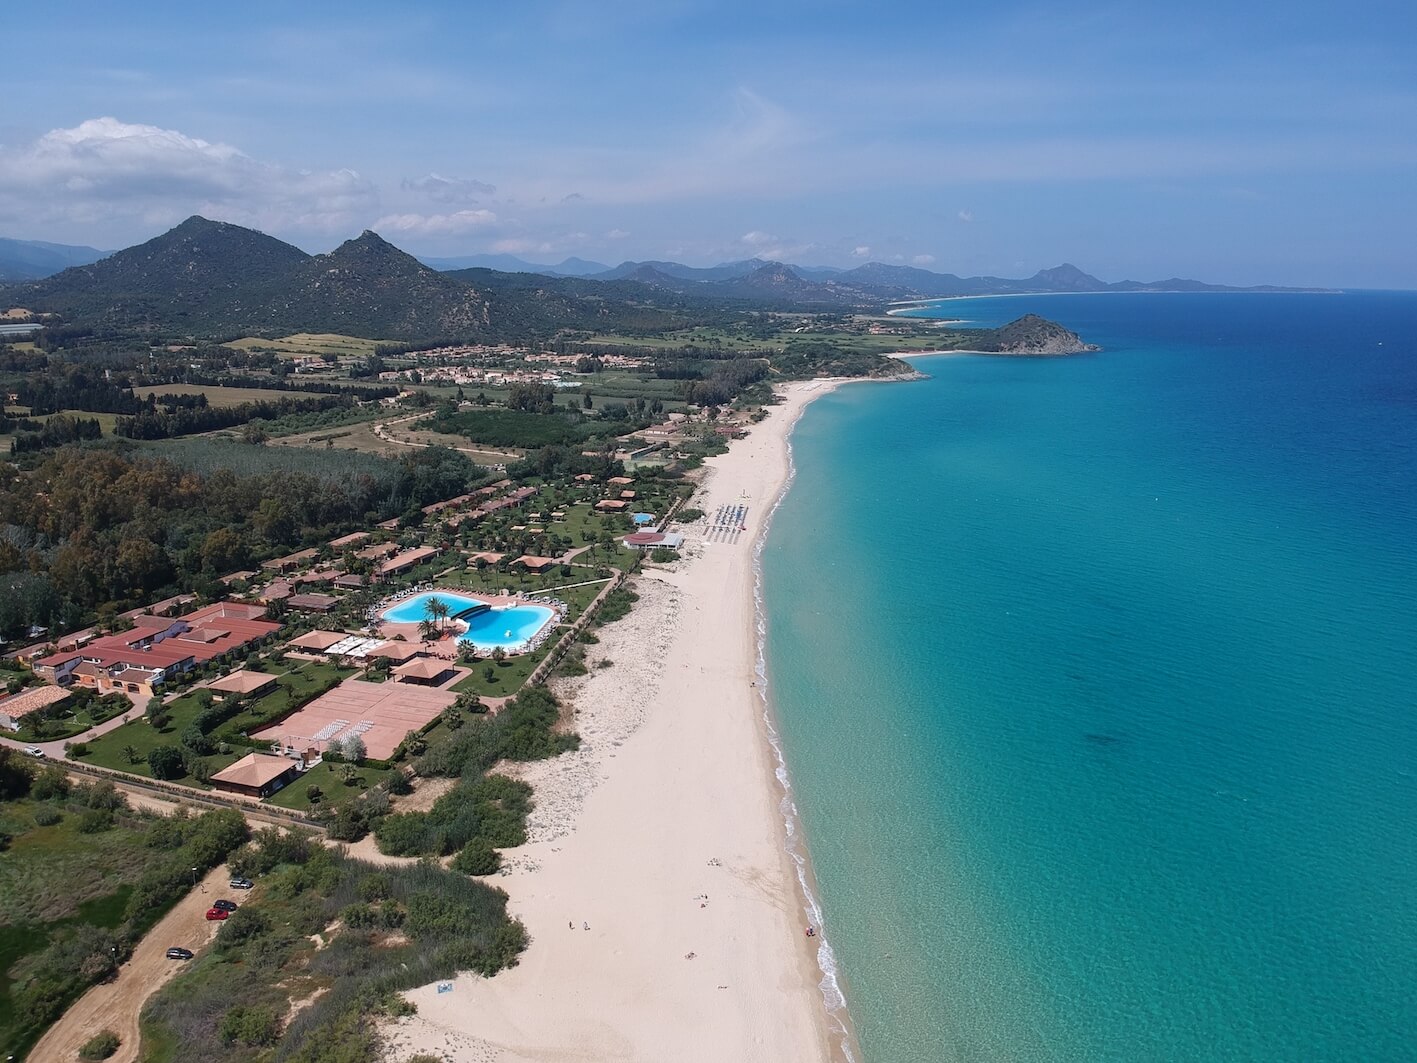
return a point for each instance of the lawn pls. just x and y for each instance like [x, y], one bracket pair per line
[293, 689]
[329, 777]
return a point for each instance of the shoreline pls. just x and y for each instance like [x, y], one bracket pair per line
[665, 877]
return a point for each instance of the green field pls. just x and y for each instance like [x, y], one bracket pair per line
[310, 344]
[218, 395]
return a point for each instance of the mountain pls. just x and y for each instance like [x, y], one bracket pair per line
[571, 267]
[22, 260]
[368, 284]
[213, 278]
[1035, 336]
[201, 270]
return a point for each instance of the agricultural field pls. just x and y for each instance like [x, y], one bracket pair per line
[310, 345]
[218, 395]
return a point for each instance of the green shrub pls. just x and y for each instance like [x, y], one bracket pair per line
[99, 1046]
[47, 816]
[478, 858]
[165, 762]
[256, 1026]
[95, 821]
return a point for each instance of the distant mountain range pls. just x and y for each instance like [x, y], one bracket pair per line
[570, 267]
[23, 260]
[206, 278]
[877, 281]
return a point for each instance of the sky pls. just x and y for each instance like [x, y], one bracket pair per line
[1234, 143]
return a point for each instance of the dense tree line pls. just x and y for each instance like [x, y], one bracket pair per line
[89, 532]
[165, 422]
[54, 432]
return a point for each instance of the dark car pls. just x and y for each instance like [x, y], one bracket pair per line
[241, 883]
[179, 954]
[225, 906]
[217, 913]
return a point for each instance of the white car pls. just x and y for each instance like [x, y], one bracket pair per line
[34, 751]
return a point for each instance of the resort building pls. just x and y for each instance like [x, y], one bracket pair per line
[241, 683]
[487, 557]
[317, 641]
[651, 540]
[350, 581]
[290, 562]
[344, 542]
[312, 603]
[532, 563]
[612, 505]
[139, 661]
[424, 671]
[620, 481]
[16, 707]
[256, 775]
[377, 552]
[409, 559]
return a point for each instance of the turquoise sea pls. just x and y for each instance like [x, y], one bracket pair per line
[1097, 682]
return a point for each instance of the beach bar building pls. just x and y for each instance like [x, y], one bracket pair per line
[256, 775]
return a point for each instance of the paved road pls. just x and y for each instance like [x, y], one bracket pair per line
[115, 1005]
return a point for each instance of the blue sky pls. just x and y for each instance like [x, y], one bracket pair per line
[1258, 145]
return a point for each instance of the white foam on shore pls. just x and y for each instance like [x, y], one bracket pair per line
[833, 998]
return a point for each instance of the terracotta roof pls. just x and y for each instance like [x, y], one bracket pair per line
[532, 561]
[27, 701]
[254, 769]
[317, 640]
[312, 601]
[611, 503]
[422, 668]
[242, 682]
[349, 540]
[396, 651]
[407, 559]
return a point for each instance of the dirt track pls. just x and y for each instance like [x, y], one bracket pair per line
[115, 1005]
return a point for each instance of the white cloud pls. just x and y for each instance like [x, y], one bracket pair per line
[965, 216]
[461, 221]
[757, 238]
[442, 189]
[861, 252]
[616, 234]
[523, 246]
[923, 260]
[104, 169]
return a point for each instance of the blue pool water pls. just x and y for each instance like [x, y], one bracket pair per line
[487, 629]
[1131, 773]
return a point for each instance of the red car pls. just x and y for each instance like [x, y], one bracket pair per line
[216, 913]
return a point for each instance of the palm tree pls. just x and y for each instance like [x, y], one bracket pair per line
[130, 754]
[427, 630]
[438, 610]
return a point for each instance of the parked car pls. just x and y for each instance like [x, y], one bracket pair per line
[241, 883]
[225, 906]
[34, 751]
[217, 913]
[175, 953]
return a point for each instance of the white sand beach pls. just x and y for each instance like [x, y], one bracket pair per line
[665, 916]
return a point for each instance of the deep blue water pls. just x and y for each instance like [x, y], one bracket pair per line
[1097, 681]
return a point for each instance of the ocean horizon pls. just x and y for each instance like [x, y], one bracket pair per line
[1094, 680]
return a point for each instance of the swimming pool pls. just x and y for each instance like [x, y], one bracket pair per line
[509, 627]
